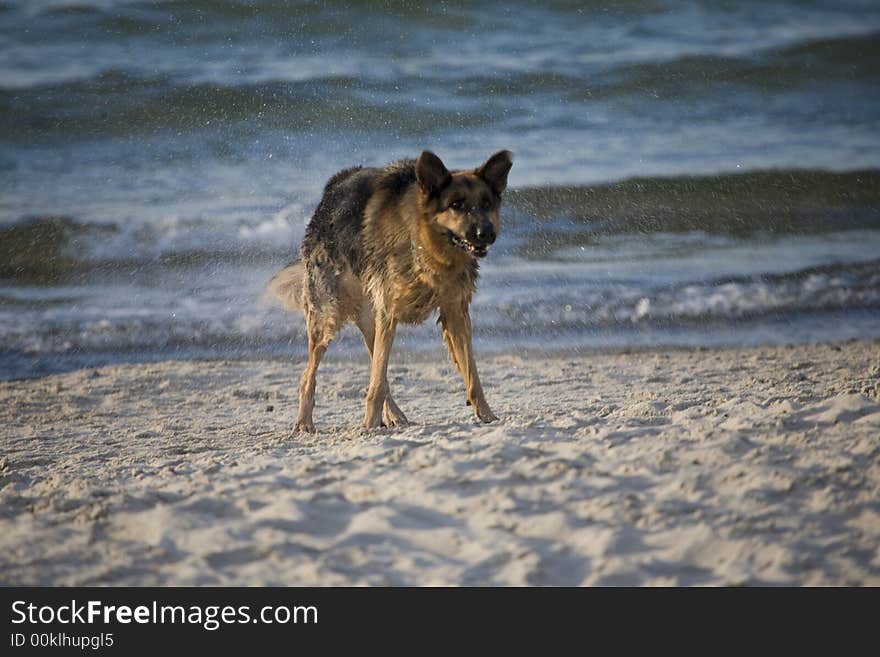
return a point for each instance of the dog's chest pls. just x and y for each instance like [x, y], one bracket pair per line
[415, 301]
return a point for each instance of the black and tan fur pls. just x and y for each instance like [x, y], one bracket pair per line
[389, 245]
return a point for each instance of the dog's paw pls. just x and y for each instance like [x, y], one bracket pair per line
[394, 417]
[486, 415]
[304, 426]
[374, 422]
[392, 421]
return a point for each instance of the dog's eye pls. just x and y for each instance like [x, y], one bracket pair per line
[457, 205]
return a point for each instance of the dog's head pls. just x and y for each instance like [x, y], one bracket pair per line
[463, 205]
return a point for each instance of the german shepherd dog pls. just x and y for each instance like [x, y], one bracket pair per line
[388, 245]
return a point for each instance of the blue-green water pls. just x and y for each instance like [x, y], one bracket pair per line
[180, 147]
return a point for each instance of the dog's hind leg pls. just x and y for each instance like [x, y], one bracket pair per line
[390, 411]
[323, 321]
[317, 348]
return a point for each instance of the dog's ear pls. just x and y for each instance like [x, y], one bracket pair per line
[431, 174]
[495, 171]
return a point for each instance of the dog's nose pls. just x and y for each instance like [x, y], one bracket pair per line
[485, 233]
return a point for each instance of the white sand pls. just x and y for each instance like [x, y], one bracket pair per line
[758, 466]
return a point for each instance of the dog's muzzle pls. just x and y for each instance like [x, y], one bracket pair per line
[480, 237]
[474, 248]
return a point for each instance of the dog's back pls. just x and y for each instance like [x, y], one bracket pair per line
[337, 223]
[335, 234]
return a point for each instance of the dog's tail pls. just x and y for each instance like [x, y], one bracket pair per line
[287, 286]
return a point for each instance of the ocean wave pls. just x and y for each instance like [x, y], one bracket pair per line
[824, 289]
[120, 103]
[821, 61]
[219, 326]
[47, 249]
[541, 223]
[848, 58]
[780, 202]
[267, 87]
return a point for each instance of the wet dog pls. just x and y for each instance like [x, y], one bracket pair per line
[389, 245]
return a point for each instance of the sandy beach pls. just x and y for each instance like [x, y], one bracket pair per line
[752, 466]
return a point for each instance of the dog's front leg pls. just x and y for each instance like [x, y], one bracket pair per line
[378, 389]
[456, 323]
